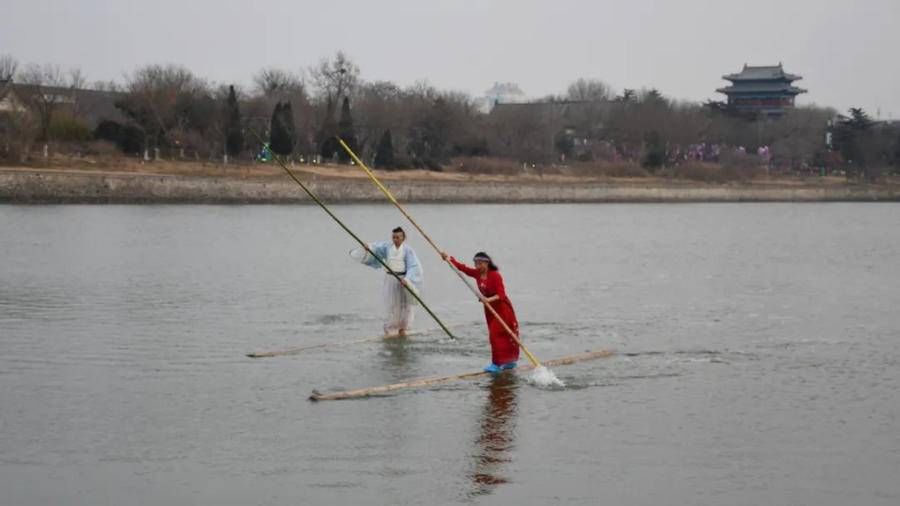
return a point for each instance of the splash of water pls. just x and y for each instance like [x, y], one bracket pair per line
[543, 377]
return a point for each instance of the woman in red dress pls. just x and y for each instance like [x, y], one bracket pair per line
[504, 349]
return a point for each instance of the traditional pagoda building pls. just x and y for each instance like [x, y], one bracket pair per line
[768, 90]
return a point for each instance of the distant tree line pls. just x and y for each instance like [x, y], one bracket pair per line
[167, 109]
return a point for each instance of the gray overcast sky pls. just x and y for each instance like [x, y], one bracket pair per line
[845, 50]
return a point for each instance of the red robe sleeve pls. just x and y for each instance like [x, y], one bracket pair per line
[465, 269]
[499, 288]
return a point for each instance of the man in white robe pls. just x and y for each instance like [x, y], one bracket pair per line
[398, 302]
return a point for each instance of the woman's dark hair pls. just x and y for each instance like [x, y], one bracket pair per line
[481, 255]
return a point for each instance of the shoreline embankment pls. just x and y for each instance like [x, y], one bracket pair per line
[54, 186]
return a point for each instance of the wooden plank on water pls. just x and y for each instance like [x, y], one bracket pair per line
[301, 349]
[437, 380]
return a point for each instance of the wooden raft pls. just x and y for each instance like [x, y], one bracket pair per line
[437, 380]
[301, 349]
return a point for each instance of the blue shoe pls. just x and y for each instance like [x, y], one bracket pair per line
[508, 366]
[493, 369]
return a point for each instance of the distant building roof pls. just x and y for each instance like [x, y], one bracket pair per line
[564, 112]
[766, 89]
[500, 93]
[93, 105]
[556, 106]
[546, 103]
[9, 102]
[762, 73]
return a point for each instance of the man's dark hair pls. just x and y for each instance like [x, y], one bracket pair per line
[399, 230]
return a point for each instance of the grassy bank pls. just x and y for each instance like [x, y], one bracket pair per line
[130, 181]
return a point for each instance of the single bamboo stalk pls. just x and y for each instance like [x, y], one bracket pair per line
[301, 349]
[438, 380]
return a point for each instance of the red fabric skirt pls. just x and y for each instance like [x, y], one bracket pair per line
[503, 348]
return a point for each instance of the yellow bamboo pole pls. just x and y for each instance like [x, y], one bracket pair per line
[390, 196]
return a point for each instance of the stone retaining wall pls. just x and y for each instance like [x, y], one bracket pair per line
[26, 186]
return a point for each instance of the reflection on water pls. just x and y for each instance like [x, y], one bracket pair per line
[497, 435]
[397, 358]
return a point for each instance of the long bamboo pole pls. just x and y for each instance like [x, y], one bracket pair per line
[357, 239]
[439, 380]
[390, 196]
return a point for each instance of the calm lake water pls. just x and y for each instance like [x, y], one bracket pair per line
[757, 350]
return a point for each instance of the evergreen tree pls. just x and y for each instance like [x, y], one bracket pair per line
[282, 136]
[287, 118]
[275, 127]
[654, 151]
[896, 156]
[852, 137]
[328, 146]
[128, 138]
[654, 98]
[345, 130]
[564, 143]
[384, 154]
[628, 96]
[429, 135]
[234, 137]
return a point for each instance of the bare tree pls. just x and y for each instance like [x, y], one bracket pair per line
[17, 134]
[521, 132]
[106, 86]
[376, 108]
[8, 67]
[219, 121]
[44, 92]
[335, 78]
[798, 137]
[164, 101]
[17, 131]
[276, 83]
[589, 90]
[440, 125]
[77, 78]
[77, 81]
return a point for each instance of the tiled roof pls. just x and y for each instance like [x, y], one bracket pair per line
[95, 105]
[568, 112]
[555, 109]
[762, 73]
